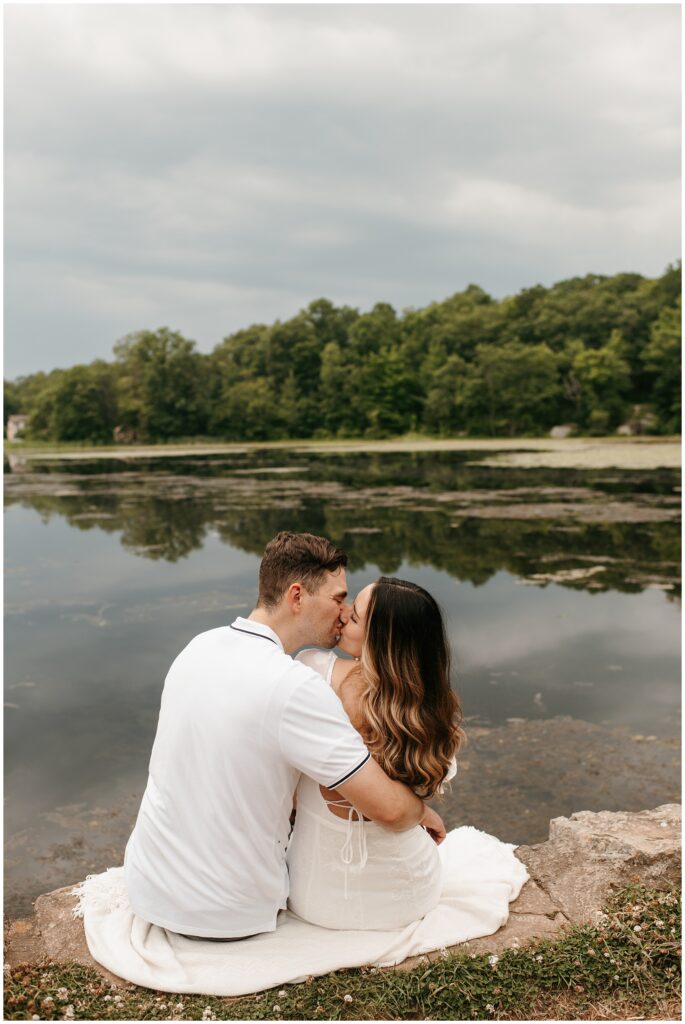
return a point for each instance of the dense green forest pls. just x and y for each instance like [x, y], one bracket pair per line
[592, 351]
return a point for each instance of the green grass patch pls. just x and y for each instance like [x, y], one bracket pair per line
[627, 965]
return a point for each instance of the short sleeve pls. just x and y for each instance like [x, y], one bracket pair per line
[316, 736]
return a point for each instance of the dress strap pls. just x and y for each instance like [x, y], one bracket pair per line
[340, 802]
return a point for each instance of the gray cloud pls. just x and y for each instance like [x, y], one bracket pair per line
[211, 166]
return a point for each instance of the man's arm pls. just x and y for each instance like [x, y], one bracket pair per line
[403, 796]
[389, 803]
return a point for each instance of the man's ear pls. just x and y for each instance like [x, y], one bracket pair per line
[294, 598]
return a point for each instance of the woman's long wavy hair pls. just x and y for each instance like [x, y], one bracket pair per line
[411, 717]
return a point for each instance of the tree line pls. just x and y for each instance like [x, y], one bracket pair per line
[593, 351]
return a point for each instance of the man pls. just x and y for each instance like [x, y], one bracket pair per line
[240, 720]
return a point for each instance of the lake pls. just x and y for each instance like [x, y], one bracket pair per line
[560, 589]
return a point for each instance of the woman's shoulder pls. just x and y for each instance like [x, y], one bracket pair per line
[343, 674]
[320, 660]
[348, 683]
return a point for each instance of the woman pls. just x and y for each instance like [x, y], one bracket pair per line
[351, 873]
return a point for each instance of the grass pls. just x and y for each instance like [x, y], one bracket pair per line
[626, 966]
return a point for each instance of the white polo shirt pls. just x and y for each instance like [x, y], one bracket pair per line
[239, 721]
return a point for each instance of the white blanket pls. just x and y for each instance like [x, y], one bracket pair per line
[481, 876]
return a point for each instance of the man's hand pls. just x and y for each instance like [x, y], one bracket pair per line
[434, 825]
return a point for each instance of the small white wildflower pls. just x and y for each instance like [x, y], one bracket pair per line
[69, 1012]
[637, 928]
[119, 999]
[492, 960]
[277, 1009]
[612, 961]
[616, 977]
[178, 1008]
[347, 998]
[107, 998]
[659, 923]
[207, 1013]
[62, 994]
[162, 1006]
[489, 1007]
[282, 994]
[47, 1002]
[539, 957]
[35, 1017]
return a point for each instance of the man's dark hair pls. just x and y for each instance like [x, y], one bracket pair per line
[296, 558]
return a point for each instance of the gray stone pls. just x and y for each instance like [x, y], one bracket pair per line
[585, 856]
[591, 853]
[53, 933]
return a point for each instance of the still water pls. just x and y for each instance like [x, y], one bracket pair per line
[560, 591]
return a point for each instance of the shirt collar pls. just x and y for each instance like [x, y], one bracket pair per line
[258, 628]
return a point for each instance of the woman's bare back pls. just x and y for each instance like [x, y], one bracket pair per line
[348, 684]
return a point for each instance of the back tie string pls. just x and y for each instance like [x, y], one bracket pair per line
[347, 851]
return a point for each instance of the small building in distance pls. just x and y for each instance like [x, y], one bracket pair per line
[16, 425]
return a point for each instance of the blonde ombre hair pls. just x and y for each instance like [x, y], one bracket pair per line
[409, 715]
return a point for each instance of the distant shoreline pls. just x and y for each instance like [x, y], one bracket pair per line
[521, 452]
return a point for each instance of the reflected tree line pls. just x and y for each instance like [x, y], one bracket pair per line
[169, 525]
[427, 471]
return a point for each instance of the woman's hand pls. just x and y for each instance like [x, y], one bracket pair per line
[433, 824]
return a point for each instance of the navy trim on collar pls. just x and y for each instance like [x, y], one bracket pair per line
[248, 632]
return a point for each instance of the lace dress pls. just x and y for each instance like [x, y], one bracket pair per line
[350, 874]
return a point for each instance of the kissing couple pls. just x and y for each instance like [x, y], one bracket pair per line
[283, 779]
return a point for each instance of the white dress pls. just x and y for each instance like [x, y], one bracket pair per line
[356, 874]
[376, 897]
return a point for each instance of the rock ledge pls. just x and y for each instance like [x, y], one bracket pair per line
[585, 857]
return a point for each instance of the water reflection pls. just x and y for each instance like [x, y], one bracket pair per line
[583, 529]
[112, 568]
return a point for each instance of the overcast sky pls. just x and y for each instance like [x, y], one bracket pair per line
[208, 167]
